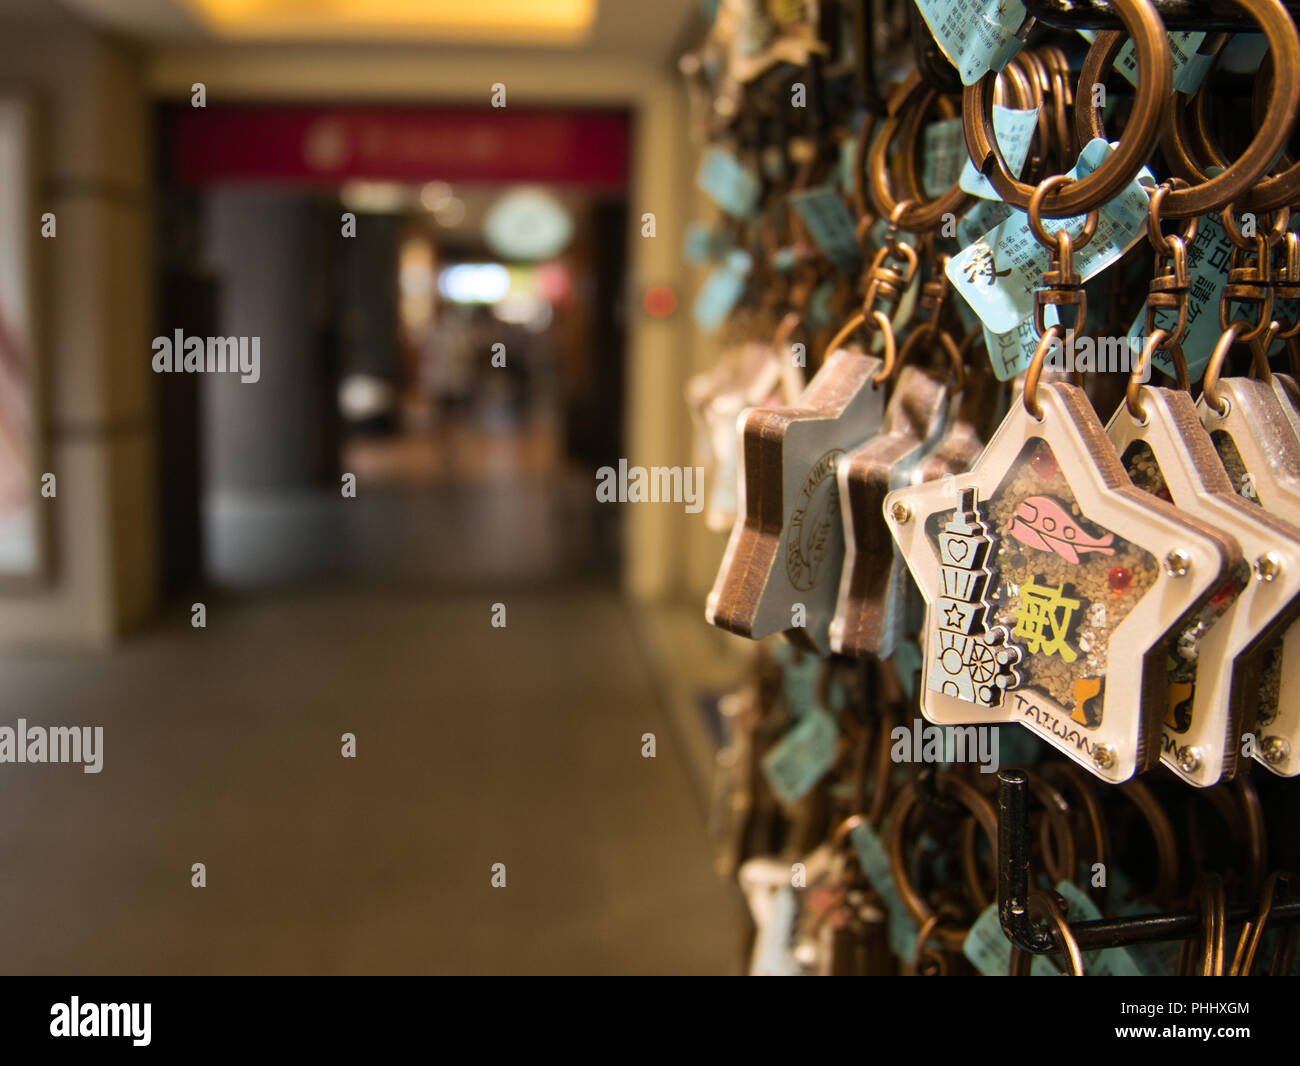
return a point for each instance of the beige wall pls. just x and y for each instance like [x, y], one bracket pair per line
[93, 291]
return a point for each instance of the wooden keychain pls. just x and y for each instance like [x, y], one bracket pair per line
[754, 374]
[1250, 429]
[783, 559]
[1216, 667]
[1018, 579]
[912, 423]
[781, 569]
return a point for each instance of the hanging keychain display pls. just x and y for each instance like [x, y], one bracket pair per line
[968, 541]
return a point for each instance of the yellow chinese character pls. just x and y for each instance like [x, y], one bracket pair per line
[1043, 619]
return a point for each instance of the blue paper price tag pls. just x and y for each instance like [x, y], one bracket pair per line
[720, 292]
[1112, 962]
[976, 35]
[728, 183]
[874, 861]
[801, 758]
[997, 274]
[943, 155]
[831, 226]
[1014, 130]
[1189, 65]
[1011, 353]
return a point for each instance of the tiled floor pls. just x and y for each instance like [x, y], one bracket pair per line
[475, 746]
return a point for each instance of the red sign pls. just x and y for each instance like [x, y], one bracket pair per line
[326, 145]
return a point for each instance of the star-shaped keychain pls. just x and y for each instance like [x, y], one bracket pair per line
[1215, 667]
[1019, 575]
[750, 374]
[782, 564]
[864, 608]
[1250, 428]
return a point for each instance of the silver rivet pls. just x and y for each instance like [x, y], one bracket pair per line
[902, 512]
[1104, 756]
[1178, 562]
[1275, 750]
[1190, 760]
[1268, 566]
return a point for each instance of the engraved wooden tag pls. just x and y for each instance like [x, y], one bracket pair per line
[783, 559]
[913, 421]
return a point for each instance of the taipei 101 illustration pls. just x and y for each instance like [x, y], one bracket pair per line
[970, 661]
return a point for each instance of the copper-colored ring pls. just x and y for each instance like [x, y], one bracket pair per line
[949, 346]
[1209, 895]
[914, 92]
[1252, 933]
[1215, 366]
[884, 764]
[911, 132]
[1239, 181]
[1256, 835]
[1098, 832]
[1049, 240]
[973, 801]
[923, 935]
[1133, 394]
[1051, 336]
[1162, 835]
[1157, 238]
[1060, 866]
[1259, 347]
[1101, 186]
[1279, 220]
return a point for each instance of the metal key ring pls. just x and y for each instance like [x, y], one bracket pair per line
[969, 797]
[1068, 776]
[911, 133]
[1058, 856]
[1209, 386]
[1252, 933]
[938, 967]
[1133, 394]
[1035, 212]
[913, 96]
[881, 321]
[1162, 835]
[1209, 895]
[1050, 338]
[1241, 179]
[956, 367]
[1153, 89]
[1159, 241]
